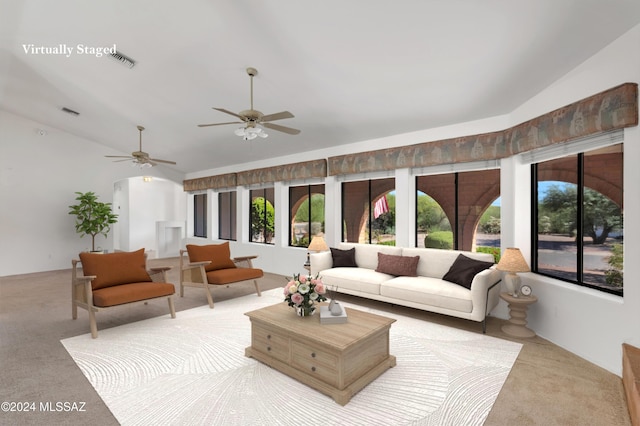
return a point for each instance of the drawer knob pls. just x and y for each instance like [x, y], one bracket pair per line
[313, 354]
[268, 348]
[313, 369]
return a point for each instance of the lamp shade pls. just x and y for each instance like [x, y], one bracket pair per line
[318, 244]
[512, 261]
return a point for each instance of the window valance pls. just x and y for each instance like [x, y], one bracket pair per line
[612, 109]
[210, 182]
[294, 171]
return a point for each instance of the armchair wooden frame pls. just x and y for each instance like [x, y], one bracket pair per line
[82, 294]
[193, 274]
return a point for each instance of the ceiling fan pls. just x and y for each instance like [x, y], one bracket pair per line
[251, 118]
[140, 158]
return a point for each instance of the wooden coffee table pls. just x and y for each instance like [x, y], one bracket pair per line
[335, 359]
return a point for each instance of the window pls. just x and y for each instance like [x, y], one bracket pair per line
[261, 219]
[306, 213]
[200, 215]
[459, 211]
[369, 211]
[577, 224]
[227, 215]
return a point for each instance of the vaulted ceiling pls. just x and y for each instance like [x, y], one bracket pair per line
[348, 70]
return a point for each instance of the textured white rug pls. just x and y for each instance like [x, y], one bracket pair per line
[192, 370]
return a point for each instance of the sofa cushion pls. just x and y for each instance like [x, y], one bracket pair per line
[218, 254]
[113, 269]
[464, 269]
[429, 292]
[344, 258]
[397, 265]
[367, 254]
[353, 279]
[436, 262]
[132, 292]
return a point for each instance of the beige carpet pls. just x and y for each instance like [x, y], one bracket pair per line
[192, 370]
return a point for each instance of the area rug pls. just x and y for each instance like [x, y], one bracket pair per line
[192, 370]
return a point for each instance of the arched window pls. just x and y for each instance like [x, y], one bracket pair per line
[306, 214]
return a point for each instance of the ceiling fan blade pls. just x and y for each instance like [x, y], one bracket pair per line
[226, 111]
[280, 128]
[276, 116]
[220, 124]
[118, 156]
[162, 161]
[126, 159]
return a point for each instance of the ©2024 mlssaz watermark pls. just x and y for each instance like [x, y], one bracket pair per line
[68, 50]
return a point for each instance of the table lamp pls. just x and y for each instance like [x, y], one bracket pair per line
[317, 244]
[511, 262]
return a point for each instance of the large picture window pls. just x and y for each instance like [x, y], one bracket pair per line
[369, 211]
[578, 229]
[200, 215]
[459, 211]
[262, 217]
[306, 214]
[227, 216]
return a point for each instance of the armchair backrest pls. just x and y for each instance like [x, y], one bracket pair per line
[219, 256]
[111, 269]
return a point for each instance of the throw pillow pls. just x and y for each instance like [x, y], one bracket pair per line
[115, 268]
[344, 258]
[218, 254]
[464, 269]
[398, 265]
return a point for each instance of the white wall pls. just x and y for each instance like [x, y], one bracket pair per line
[39, 176]
[587, 322]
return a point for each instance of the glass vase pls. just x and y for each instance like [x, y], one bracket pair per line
[305, 311]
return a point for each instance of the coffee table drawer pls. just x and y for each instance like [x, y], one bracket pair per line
[272, 344]
[317, 363]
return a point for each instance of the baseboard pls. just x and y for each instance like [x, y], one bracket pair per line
[631, 380]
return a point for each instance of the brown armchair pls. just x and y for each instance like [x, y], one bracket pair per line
[212, 265]
[115, 279]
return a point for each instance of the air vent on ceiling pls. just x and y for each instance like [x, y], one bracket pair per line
[123, 59]
[70, 111]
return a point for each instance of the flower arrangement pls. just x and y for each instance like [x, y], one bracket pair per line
[303, 292]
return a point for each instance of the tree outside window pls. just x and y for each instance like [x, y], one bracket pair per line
[262, 218]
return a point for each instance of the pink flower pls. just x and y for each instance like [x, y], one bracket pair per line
[303, 279]
[320, 288]
[297, 298]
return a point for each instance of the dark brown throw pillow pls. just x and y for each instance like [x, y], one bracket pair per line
[344, 258]
[464, 269]
[404, 266]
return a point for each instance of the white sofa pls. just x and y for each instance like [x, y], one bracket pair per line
[426, 291]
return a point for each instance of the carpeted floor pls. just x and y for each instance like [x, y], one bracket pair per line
[145, 371]
[546, 386]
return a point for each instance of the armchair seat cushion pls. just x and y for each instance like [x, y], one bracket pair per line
[133, 292]
[232, 275]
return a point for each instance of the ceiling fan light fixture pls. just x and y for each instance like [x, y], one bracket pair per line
[251, 132]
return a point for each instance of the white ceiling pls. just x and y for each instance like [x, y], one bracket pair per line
[349, 70]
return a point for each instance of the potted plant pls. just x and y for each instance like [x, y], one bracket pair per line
[92, 216]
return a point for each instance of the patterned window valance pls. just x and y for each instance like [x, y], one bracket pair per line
[210, 182]
[294, 171]
[609, 110]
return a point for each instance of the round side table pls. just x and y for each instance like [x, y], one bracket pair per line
[518, 306]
